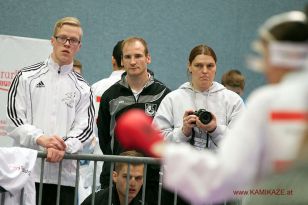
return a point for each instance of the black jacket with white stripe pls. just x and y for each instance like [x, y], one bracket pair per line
[115, 101]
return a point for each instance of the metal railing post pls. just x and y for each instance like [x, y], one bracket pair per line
[59, 183]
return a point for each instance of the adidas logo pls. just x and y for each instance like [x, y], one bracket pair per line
[40, 85]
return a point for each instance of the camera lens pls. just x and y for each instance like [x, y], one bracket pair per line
[205, 117]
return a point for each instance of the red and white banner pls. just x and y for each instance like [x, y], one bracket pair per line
[16, 53]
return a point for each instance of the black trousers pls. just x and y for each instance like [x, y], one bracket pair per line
[49, 194]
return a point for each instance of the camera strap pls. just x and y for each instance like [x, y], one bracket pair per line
[207, 140]
[192, 139]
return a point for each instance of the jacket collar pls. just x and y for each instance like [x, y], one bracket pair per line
[124, 83]
[60, 69]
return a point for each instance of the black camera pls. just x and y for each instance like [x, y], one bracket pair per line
[204, 116]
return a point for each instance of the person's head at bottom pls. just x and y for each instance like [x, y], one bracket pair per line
[135, 181]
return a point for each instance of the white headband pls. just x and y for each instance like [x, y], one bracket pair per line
[289, 55]
[282, 54]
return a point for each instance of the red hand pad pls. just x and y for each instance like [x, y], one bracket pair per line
[134, 130]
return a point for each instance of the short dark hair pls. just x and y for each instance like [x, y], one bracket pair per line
[291, 32]
[117, 53]
[131, 153]
[288, 27]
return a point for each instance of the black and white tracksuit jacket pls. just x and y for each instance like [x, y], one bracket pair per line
[118, 99]
[46, 99]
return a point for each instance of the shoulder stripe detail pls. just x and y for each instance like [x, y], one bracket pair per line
[11, 101]
[32, 67]
[79, 77]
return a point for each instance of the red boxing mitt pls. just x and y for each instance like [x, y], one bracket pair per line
[134, 130]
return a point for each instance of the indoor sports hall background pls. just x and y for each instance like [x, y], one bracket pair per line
[171, 28]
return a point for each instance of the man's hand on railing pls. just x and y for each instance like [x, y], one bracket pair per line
[54, 155]
[53, 141]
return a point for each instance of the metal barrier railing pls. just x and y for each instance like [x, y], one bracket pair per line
[95, 159]
[90, 157]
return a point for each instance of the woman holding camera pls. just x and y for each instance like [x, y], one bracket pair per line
[200, 111]
[179, 115]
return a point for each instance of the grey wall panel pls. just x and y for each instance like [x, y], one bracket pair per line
[171, 27]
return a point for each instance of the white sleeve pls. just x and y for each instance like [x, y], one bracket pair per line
[81, 137]
[16, 167]
[205, 176]
[164, 121]
[22, 131]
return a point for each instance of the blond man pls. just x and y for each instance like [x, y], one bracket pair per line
[50, 108]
